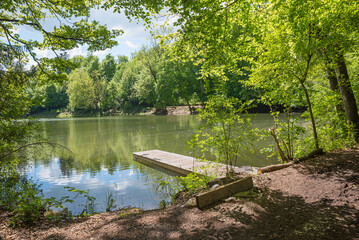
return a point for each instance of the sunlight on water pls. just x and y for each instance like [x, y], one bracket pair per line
[101, 158]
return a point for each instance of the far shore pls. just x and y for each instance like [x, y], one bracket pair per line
[172, 110]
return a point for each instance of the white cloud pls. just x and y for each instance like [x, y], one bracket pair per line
[76, 52]
[130, 44]
[30, 63]
[101, 54]
[132, 32]
[45, 173]
[40, 53]
[131, 172]
[121, 185]
[90, 180]
[138, 32]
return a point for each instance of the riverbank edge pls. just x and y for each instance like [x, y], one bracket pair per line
[171, 110]
[324, 191]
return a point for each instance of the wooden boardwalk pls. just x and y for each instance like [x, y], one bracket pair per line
[184, 165]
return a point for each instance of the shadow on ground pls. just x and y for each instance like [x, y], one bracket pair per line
[341, 164]
[271, 216]
[290, 217]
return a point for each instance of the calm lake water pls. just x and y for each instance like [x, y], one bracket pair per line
[102, 156]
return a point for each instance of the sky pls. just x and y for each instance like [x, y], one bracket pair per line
[135, 35]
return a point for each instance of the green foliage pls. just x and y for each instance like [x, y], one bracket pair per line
[162, 204]
[91, 64]
[152, 78]
[24, 198]
[14, 134]
[110, 201]
[332, 126]
[283, 43]
[108, 67]
[110, 100]
[56, 96]
[28, 205]
[288, 134]
[165, 189]
[89, 206]
[47, 97]
[193, 182]
[226, 132]
[81, 91]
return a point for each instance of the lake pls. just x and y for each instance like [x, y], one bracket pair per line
[101, 158]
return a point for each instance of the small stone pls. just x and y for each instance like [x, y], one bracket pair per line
[214, 182]
[214, 186]
[190, 203]
[231, 199]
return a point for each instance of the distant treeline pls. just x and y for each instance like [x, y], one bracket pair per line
[149, 79]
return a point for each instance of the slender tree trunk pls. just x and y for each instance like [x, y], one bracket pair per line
[350, 105]
[334, 85]
[302, 84]
[315, 135]
[281, 154]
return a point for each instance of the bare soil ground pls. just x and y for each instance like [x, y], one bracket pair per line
[317, 199]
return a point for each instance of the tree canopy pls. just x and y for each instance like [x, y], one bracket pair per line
[284, 44]
[65, 35]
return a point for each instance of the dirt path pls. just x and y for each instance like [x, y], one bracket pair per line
[318, 199]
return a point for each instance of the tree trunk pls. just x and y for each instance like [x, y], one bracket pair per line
[280, 151]
[350, 106]
[315, 135]
[334, 85]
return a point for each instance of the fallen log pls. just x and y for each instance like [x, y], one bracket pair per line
[273, 168]
[276, 167]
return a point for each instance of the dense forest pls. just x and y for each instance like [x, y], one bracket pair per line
[222, 55]
[149, 79]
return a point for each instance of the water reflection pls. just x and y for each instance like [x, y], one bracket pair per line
[101, 158]
[130, 187]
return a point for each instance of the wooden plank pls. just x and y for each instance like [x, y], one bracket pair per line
[225, 191]
[164, 165]
[184, 164]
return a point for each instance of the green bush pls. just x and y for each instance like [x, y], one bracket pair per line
[25, 200]
[193, 182]
[23, 197]
[227, 131]
[30, 205]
